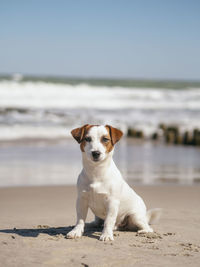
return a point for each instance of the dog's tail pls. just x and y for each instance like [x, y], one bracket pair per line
[153, 215]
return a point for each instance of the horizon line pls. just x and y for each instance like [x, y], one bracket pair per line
[101, 78]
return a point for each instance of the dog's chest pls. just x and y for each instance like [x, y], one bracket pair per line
[97, 196]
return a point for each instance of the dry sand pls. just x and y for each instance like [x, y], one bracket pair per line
[35, 220]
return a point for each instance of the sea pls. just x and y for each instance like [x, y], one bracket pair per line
[48, 108]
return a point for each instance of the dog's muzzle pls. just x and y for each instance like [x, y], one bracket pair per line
[96, 155]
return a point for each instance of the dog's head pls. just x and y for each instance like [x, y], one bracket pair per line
[96, 141]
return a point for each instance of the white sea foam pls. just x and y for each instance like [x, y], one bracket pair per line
[51, 95]
[33, 109]
[28, 131]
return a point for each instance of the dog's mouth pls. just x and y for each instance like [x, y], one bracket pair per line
[96, 160]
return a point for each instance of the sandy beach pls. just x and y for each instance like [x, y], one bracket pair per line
[35, 220]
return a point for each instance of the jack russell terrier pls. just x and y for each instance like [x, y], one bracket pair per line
[102, 188]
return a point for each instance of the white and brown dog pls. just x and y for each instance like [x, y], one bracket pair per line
[102, 188]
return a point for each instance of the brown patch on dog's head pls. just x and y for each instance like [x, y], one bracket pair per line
[80, 133]
[112, 138]
[106, 141]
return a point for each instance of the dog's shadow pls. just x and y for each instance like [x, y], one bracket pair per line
[51, 231]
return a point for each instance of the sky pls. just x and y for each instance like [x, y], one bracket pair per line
[151, 39]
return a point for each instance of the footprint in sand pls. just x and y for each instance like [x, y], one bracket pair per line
[190, 247]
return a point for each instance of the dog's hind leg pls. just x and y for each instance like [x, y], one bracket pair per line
[140, 223]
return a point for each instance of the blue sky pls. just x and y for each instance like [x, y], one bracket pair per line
[134, 39]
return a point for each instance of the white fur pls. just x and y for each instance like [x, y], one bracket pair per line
[96, 133]
[102, 189]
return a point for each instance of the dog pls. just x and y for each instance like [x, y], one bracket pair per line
[102, 188]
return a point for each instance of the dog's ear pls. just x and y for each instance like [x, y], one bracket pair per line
[115, 134]
[78, 133]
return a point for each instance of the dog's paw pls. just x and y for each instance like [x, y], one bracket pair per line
[75, 233]
[145, 231]
[106, 237]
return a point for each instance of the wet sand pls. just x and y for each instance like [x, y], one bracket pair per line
[35, 220]
[58, 162]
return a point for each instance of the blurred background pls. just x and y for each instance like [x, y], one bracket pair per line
[132, 64]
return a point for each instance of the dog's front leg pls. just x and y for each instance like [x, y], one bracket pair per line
[81, 209]
[109, 223]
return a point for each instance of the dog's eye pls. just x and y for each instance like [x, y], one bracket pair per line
[88, 139]
[105, 139]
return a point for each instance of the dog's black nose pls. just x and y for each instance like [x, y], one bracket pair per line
[96, 154]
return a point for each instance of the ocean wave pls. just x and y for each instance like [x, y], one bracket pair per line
[34, 108]
[50, 95]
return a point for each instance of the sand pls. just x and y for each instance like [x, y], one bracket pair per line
[35, 220]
